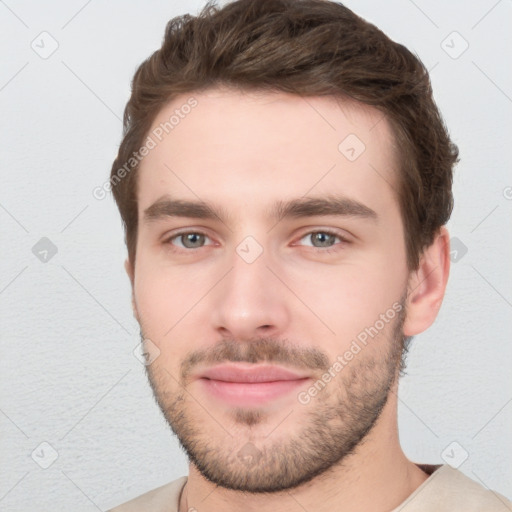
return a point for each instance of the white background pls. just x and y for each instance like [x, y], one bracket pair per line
[68, 374]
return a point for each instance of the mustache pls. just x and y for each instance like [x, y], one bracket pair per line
[259, 350]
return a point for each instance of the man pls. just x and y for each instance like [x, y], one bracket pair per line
[284, 181]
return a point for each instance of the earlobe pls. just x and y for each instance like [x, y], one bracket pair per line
[427, 285]
[130, 271]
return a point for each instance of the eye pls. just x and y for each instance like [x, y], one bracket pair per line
[322, 239]
[188, 240]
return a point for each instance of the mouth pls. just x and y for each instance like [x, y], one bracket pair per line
[246, 385]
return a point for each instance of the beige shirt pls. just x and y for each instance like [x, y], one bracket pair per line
[446, 490]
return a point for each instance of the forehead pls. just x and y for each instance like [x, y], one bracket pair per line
[245, 147]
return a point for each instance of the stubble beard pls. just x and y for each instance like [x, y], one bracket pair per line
[329, 428]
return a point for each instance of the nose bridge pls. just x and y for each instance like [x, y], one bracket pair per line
[247, 302]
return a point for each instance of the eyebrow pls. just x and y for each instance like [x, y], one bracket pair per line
[166, 207]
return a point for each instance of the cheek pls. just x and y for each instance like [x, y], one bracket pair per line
[350, 297]
[158, 307]
[153, 298]
[162, 292]
[159, 303]
[169, 300]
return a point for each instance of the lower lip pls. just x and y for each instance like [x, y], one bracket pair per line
[255, 393]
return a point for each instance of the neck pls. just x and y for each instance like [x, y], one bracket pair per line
[377, 477]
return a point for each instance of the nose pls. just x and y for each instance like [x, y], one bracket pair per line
[249, 302]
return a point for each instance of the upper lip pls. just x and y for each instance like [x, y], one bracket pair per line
[249, 373]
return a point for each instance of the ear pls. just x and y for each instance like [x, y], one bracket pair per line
[427, 285]
[131, 273]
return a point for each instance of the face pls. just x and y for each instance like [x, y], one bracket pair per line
[270, 249]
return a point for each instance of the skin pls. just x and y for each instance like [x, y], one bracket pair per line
[297, 305]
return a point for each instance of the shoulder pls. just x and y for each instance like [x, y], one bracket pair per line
[162, 499]
[448, 489]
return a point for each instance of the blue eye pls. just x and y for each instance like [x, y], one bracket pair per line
[322, 239]
[188, 240]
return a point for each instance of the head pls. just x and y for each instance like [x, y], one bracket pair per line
[287, 177]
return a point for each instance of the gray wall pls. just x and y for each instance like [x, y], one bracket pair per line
[68, 374]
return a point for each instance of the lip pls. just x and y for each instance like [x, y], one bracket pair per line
[250, 373]
[250, 385]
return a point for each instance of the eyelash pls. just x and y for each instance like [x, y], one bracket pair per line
[323, 250]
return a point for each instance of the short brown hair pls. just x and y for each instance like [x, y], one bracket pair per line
[309, 48]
